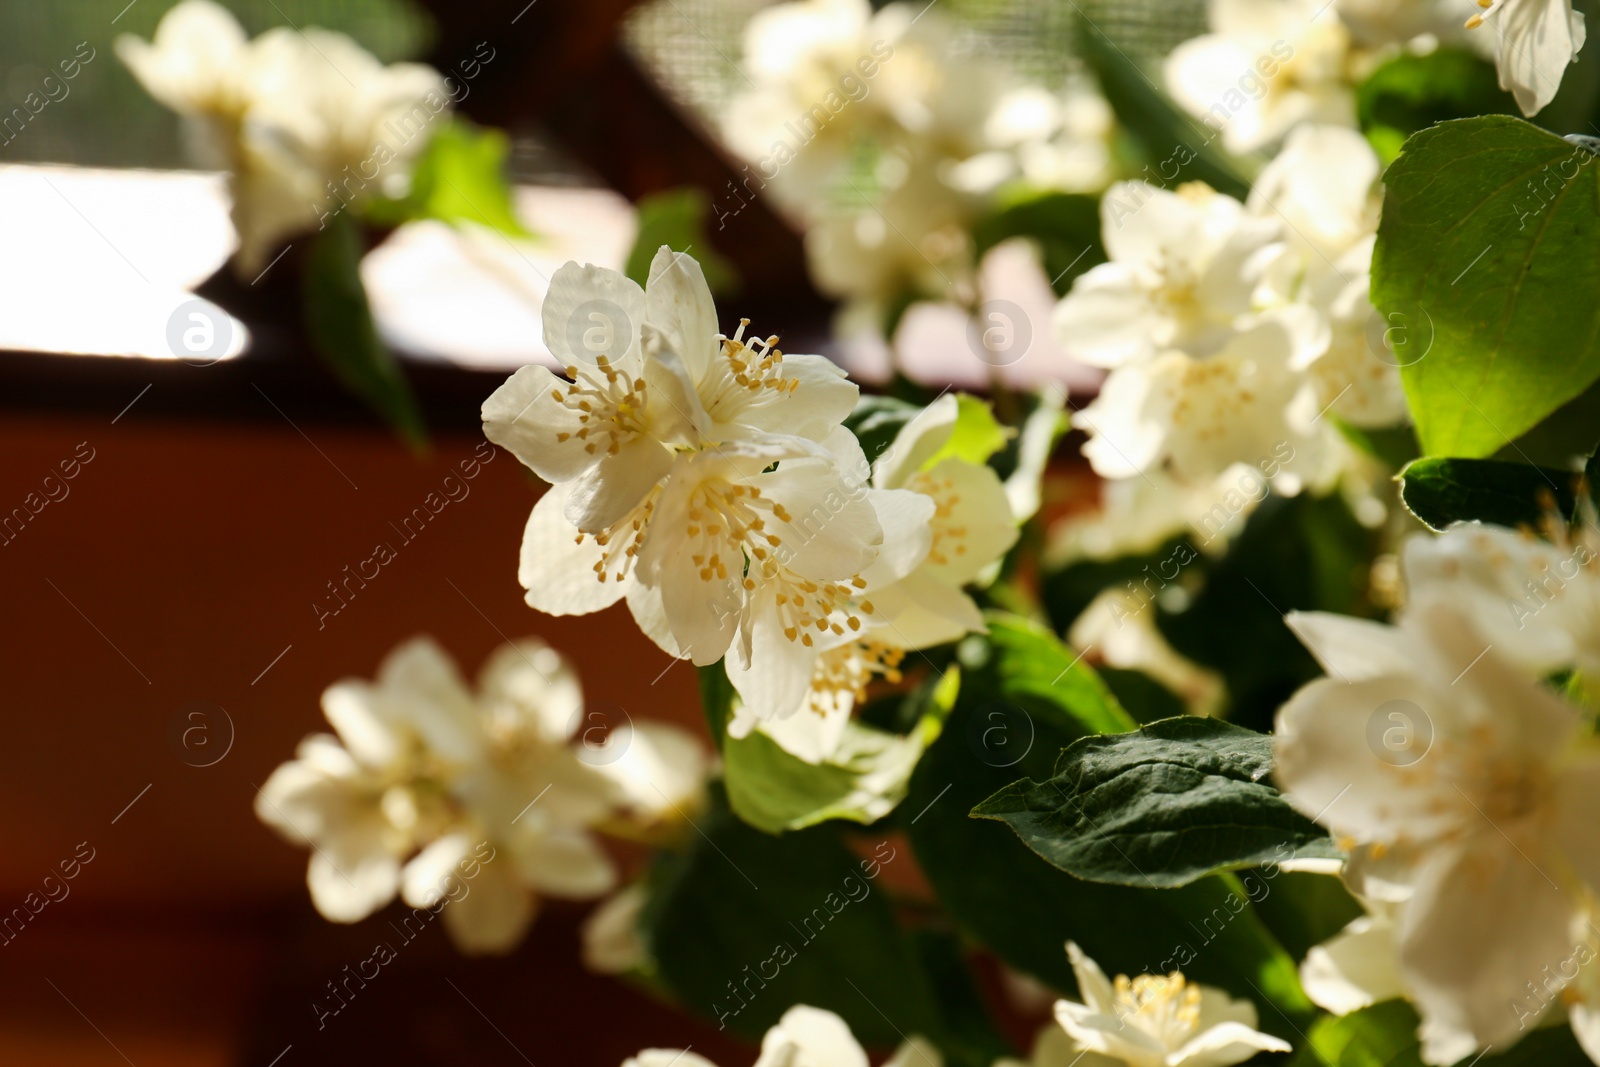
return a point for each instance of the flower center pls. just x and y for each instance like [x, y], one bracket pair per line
[746, 369]
[610, 406]
[948, 539]
[841, 676]
[620, 542]
[1166, 1007]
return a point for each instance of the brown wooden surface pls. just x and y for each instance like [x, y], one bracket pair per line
[191, 553]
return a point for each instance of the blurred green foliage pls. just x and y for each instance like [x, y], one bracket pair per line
[107, 119]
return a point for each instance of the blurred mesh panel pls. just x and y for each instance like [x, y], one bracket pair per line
[692, 46]
[105, 118]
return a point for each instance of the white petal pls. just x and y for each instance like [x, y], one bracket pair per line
[1226, 1044]
[678, 302]
[566, 864]
[904, 516]
[556, 568]
[421, 682]
[352, 874]
[591, 311]
[364, 723]
[807, 1035]
[1107, 319]
[1485, 919]
[666, 1057]
[524, 417]
[916, 443]
[493, 916]
[1357, 967]
[530, 683]
[617, 484]
[1535, 41]
[1093, 985]
[432, 873]
[1351, 649]
[774, 681]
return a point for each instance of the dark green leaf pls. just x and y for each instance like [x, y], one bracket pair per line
[1488, 256]
[1412, 92]
[1032, 669]
[339, 320]
[1185, 149]
[877, 420]
[743, 925]
[1161, 807]
[462, 176]
[716, 700]
[676, 218]
[1443, 491]
[1066, 225]
[1004, 896]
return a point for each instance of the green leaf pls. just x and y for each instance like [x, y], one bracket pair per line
[1031, 668]
[743, 925]
[1065, 225]
[1384, 1035]
[1488, 255]
[976, 436]
[1171, 803]
[339, 320]
[676, 218]
[1004, 896]
[1168, 135]
[1443, 491]
[716, 700]
[774, 790]
[461, 176]
[1412, 92]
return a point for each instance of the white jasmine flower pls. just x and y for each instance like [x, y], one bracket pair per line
[483, 786]
[354, 799]
[1052, 140]
[1325, 188]
[1481, 817]
[803, 1037]
[829, 75]
[1266, 67]
[1243, 404]
[1119, 627]
[1186, 268]
[1158, 1021]
[1537, 601]
[1534, 42]
[649, 379]
[307, 123]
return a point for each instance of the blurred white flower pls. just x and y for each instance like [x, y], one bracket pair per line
[471, 803]
[1534, 42]
[1463, 789]
[1119, 627]
[1155, 1021]
[803, 1037]
[1057, 141]
[1538, 601]
[1325, 188]
[827, 76]
[1265, 67]
[307, 123]
[1375, 23]
[1186, 269]
[1357, 967]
